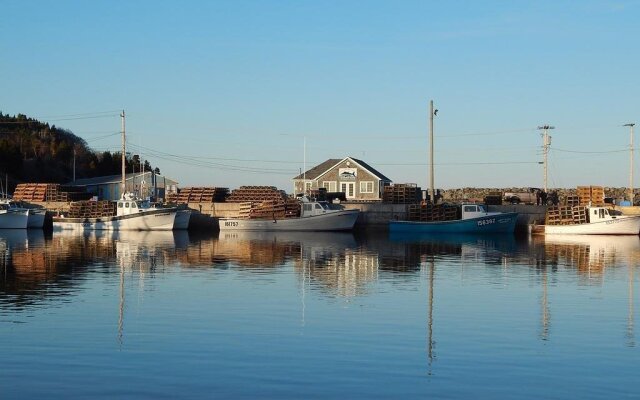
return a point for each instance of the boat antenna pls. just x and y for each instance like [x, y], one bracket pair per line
[124, 149]
[304, 166]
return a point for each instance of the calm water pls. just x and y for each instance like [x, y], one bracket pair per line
[167, 315]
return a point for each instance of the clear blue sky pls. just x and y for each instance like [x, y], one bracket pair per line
[224, 93]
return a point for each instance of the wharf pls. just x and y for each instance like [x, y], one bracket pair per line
[373, 215]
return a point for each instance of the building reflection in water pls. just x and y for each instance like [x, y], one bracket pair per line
[38, 267]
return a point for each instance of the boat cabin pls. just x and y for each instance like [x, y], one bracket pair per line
[599, 214]
[473, 211]
[313, 208]
[129, 206]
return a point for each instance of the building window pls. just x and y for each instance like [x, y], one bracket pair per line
[366, 187]
[307, 186]
[331, 186]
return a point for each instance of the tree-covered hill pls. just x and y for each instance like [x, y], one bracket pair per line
[34, 151]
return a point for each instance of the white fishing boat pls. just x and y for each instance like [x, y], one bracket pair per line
[13, 219]
[598, 221]
[314, 216]
[36, 215]
[131, 215]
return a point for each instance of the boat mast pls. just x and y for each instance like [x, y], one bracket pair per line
[124, 149]
[433, 194]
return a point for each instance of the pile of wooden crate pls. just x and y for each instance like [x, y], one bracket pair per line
[433, 212]
[572, 200]
[402, 193]
[199, 195]
[566, 215]
[49, 192]
[275, 209]
[593, 195]
[256, 194]
[91, 209]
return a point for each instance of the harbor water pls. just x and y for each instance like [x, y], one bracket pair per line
[317, 315]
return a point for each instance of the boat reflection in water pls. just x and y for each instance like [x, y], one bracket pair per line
[480, 248]
[37, 268]
[590, 255]
[331, 261]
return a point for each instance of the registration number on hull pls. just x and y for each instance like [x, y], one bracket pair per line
[488, 221]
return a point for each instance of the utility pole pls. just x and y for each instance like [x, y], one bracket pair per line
[631, 196]
[124, 149]
[74, 164]
[431, 185]
[546, 139]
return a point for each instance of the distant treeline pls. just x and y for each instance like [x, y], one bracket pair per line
[33, 151]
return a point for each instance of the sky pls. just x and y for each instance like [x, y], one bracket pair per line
[231, 93]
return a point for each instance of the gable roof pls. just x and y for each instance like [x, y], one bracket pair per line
[321, 169]
[371, 169]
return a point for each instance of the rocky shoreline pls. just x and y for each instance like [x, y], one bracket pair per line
[479, 194]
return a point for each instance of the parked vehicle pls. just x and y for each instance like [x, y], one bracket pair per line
[528, 197]
[493, 199]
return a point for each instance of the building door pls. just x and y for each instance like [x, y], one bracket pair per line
[349, 189]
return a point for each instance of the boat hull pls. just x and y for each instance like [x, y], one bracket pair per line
[618, 226]
[182, 219]
[158, 220]
[14, 220]
[494, 223]
[36, 219]
[335, 221]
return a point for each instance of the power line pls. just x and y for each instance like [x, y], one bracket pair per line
[486, 133]
[111, 112]
[209, 158]
[588, 152]
[460, 163]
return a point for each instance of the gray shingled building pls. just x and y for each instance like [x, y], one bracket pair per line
[357, 179]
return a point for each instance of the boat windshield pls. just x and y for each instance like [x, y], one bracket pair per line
[324, 205]
[143, 204]
[481, 208]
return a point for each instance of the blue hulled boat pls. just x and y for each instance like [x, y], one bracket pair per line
[474, 219]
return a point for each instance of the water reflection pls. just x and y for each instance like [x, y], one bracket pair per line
[590, 255]
[332, 261]
[37, 268]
